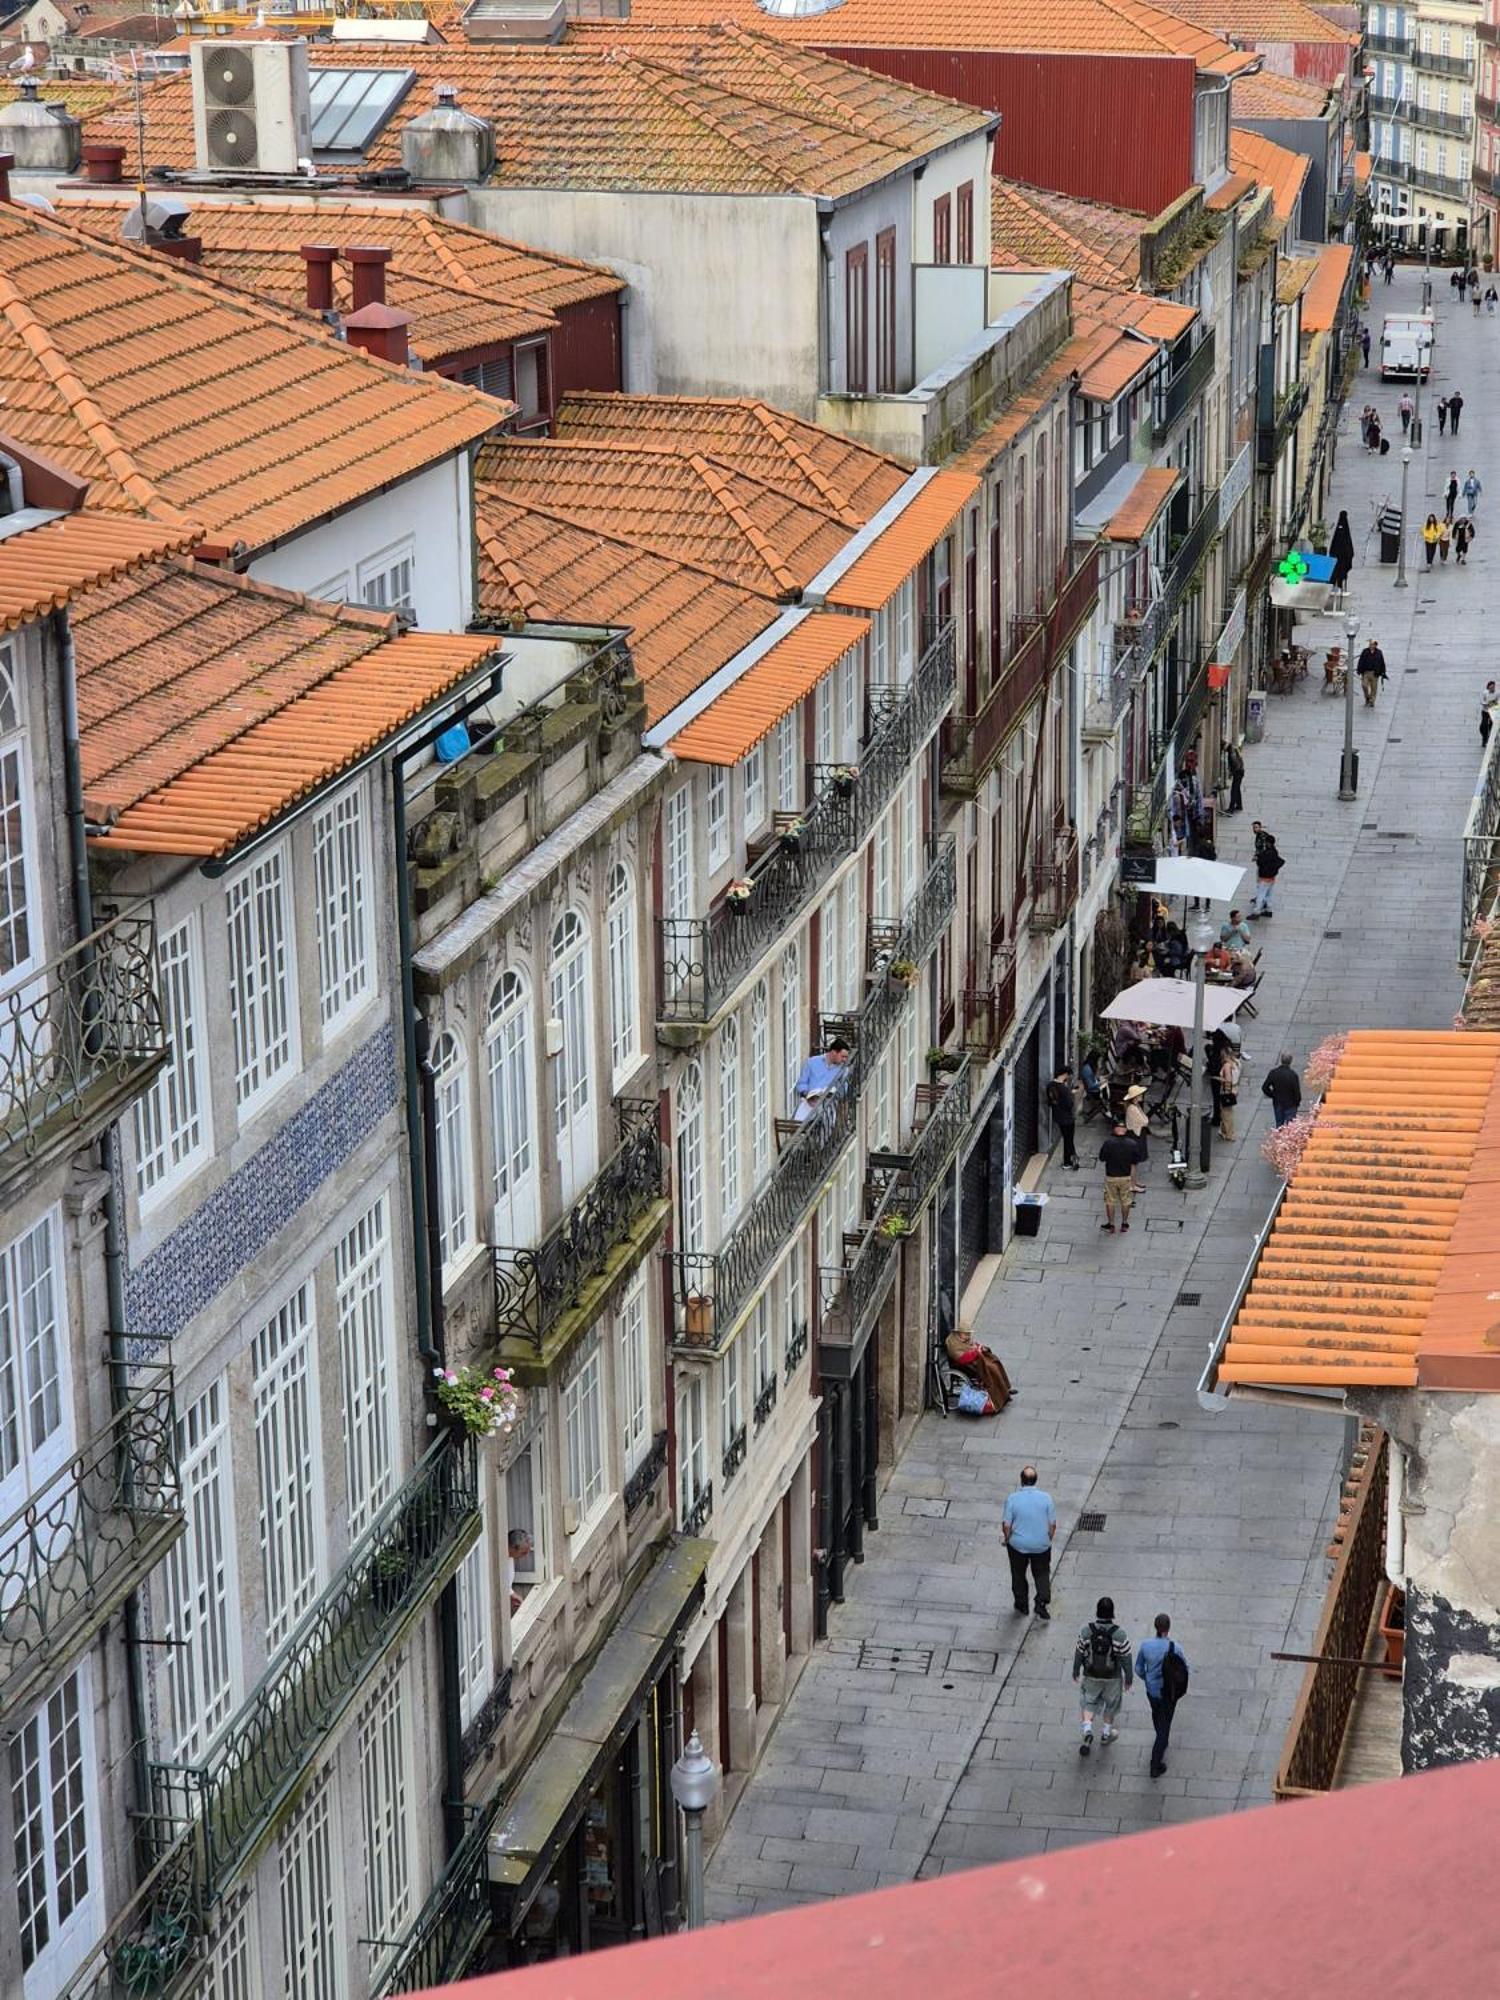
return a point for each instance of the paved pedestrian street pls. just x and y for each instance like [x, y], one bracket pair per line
[937, 1729]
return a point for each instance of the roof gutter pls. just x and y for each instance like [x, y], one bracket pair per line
[692, 706]
[1211, 1394]
[816, 593]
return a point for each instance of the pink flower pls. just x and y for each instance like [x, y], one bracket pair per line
[486, 1395]
[449, 1376]
[501, 1375]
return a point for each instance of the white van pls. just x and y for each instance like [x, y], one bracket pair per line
[1406, 345]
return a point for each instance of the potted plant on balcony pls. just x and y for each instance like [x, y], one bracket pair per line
[737, 896]
[484, 1403]
[698, 1319]
[903, 972]
[894, 1226]
[147, 1963]
[844, 778]
[792, 835]
[391, 1571]
[943, 1060]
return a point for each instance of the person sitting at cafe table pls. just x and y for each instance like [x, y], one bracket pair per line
[821, 1078]
[1235, 934]
[1218, 961]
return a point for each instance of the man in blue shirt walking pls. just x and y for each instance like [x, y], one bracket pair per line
[1149, 1671]
[1028, 1526]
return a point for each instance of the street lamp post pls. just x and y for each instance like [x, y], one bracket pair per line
[1348, 784]
[1401, 582]
[695, 1786]
[1196, 1178]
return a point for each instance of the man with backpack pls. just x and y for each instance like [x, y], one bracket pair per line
[1268, 865]
[1163, 1670]
[1101, 1666]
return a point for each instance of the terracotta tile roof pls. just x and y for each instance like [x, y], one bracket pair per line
[809, 463]
[1115, 366]
[1320, 302]
[258, 248]
[209, 705]
[41, 568]
[709, 110]
[1137, 312]
[875, 576]
[80, 95]
[1058, 232]
[1381, 1267]
[176, 399]
[1148, 496]
[1293, 277]
[1229, 192]
[1364, 166]
[1040, 392]
[1263, 23]
[1268, 94]
[788, 671]
[1083, 27]
[1275, 167]
[680, 504]
[684, 622]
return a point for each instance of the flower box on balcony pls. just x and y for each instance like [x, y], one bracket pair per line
[792, 835]
[737, 896]
[903, 972]
[844, 779]
[697, 1319]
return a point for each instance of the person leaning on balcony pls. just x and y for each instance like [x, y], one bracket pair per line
[821, 1078]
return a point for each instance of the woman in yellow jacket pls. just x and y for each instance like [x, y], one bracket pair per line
[1432, 534]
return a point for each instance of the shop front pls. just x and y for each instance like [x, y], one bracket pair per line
[584, 1853]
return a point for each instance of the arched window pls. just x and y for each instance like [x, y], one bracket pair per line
[690, 1159]
[511, 1061]
[569, 977]
[451, 1118]
[729, 1120]
[760, 1082]
[624, 1000]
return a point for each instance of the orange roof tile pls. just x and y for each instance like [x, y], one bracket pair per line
[1082, 27]
[874, 577]
[1364, 166]
[1139, 312]
[176, 399]
[43, 567]
[1275, 167]
[1381, 1266]
[1268, 94]
[1229, 192]
[684, 622]
[789, 670]
[1320, 302]
[808, 463]
[1264, 23]
[1151, 492]
[1115, 367]
[705, 110]
[1038, 394]
[209, 705]
[1048, 231]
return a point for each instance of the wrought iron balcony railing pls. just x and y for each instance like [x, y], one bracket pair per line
[228, 1805]
[852, 1294]
[1488, 108]
[642, 1482]
[988, 1014]
[86, 1537]
[1182, 388]
[491, 1712]
[941, 1136]
[736, 1451]
[765, 1402]
[1449, 186]
[155, 1937]
[703, 959]
[453, 1923]
[1148, 625]
[1054, 883]
[923, 922]
[1437, 64]
[535, 1286]
[1457, 124]
[1389, 45]
[698, 1516]
[798, 1341]
[1279, 423]
[78, 1038]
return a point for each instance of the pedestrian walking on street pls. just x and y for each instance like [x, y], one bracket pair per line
[1284, 1088]
[1405, 406]
[1364, 344]
[1487, 703]
[1161, 1668]
[1063, 1105]
[1268, 865]
[1491, 300]
[1450, 496]
[1455, 409]
[1118, 1157]
[1028, 1526]
[1371, 670]
[1234, 764]
[1341, 548]
[1463, 535]
[1458, 282]
[1138, 1125]
[1472, 488]
[1432, 534]
[1101, 1667]
[1476, 298]
[1442, 415]
[1229, 1091]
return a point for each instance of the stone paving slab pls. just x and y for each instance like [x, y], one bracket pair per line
[1220, 1517]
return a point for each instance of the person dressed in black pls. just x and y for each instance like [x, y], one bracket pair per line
[1284, 1088]
[1234, 764]
[1450, 496]
[1371, 671]
[1118, 1156]
[1487, 704]
[1173, 953]
[1364, 344]
[1341, 548]
[1063, 1106]
[1455, 409]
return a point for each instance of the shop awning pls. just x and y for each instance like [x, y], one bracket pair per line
[1168, 1003]
[1190, 875]
[550, 1796]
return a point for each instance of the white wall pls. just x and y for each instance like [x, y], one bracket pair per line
[723, 290]
[432, 511]
[946, 173]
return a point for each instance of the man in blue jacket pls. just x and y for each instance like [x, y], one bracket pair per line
[1149, 1662]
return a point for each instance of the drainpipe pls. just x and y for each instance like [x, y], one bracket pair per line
[114, 1237]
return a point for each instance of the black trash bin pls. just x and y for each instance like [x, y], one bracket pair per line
[1390, 534]
[1028, 1216]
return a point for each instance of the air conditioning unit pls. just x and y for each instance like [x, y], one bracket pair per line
[251, 110]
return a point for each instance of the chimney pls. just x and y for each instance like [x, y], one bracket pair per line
[186, 249]
[367, 273]
[7, 161]
[320, 259]
[103, 164]
[379, 330]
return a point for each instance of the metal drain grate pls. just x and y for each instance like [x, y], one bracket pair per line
[894, 1659]
[1091, 1524]
[1190, 1298]
[971, 1660]
[1329, 934]
[1369, 826]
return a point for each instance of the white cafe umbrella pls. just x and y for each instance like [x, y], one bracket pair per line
[1186, 875]
[1169, 1003]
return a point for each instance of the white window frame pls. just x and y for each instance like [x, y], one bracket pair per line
[732, 1413]
[203, 1664]
[388, 579]
[764, 1337]
[476, 1620]
[731, 1180]
[310, 1877]
[342, 873]
[788, 762]
[231, 1970]
[36, 1398]
[692, 1191]
[384, 1734]
[677, 855]
[792, 1027]
[454, 1192]
[852, 934]
[633, 1352]
[288, 1457]
[794, 1275]
[906, 629]
[537, 1574]
[823, 739]
[760, 1084]
[849, 703]
[692, 1442]
[18, 809]
[624, 973]
[365, 1292]
[755, 786]
[586, 1431]
[716, 814]
[262, 979]
[172, 1121]
[54, 1813]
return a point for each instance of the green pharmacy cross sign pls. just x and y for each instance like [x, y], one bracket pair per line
[1293, 567]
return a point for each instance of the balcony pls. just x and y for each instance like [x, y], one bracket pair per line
[1458, 124]
[1448, 187]
[1382, 105]
[1054, 882]
[1488, 108]
[987, 1015]
[1109, 697]
[1435, 64]
[453, 1923]
[703, 959]
[1272, 434]
[714, 1290]
[1182, 389]
[225, 1808]
[78, 1039]
[1389, 45]
[1383, 168]
[1147, 626]
[1236, 480]
[642, 1482]
[971, 743]
[86, 1538]
[545, 1292]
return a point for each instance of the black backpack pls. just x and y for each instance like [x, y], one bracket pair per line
[1102, 1663]
[1174, 1674]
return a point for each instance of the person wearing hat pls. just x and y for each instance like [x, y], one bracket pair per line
[1138, 1125]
